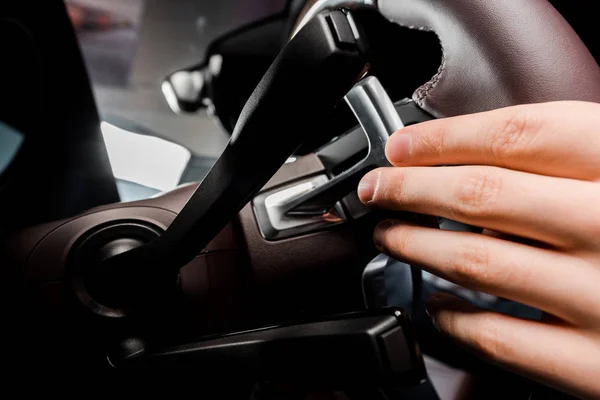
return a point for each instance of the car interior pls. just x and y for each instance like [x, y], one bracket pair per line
[258, 266]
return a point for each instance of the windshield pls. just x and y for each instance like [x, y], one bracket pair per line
[129, 47]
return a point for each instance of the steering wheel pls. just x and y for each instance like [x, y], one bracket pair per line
[267, 238]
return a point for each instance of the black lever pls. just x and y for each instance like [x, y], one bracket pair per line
[370, 348]
[310, 76]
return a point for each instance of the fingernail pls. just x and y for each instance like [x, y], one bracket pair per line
[380, 232]
[398, 147]
[432, 316]
[367, 186]
[434, 303]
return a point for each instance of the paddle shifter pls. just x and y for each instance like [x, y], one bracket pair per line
[311, 75]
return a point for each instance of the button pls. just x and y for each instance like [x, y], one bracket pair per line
[342, 31]
[396, 350]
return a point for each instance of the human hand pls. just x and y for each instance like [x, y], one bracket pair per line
[529, 175]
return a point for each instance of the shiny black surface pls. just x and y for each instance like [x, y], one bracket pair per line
[374, 348]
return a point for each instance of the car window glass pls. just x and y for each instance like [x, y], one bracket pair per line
[129, 47]
[10, 143]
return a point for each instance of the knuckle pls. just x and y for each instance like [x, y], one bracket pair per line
[391, 189]
[514, 136]
[389, 186]
[434, 141]
[477, 194]
[398, 240]
[471, 265]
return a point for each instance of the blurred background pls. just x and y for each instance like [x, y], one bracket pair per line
[129, 47]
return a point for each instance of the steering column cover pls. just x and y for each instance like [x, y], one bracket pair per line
[498, 54]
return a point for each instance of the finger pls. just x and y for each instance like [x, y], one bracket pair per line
[554, 355]
[525, 274]
[557, 139]
[506, 201]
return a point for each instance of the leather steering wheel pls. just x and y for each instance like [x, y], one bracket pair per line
[495, 54]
